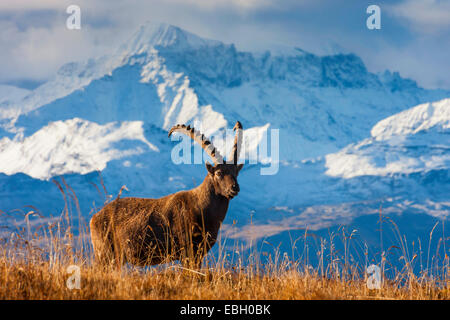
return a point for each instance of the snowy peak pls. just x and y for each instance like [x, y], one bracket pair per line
[219, 63]
[415, 140]
[164, 75]
[72, 146]
[395, 82]
[165, 49]
[420, 118]
[345, 70]
[166, 36]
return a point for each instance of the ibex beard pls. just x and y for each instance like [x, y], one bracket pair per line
[182, 226]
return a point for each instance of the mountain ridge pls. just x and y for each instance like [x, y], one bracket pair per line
[335, 119]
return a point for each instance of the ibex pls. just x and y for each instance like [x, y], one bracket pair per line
[182, 226]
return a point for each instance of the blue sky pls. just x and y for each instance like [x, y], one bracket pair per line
[414, 38]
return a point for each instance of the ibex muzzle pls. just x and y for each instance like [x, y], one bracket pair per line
[181, 226]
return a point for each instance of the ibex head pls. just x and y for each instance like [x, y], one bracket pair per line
[222, 174]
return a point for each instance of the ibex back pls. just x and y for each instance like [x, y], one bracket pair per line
[181, 226]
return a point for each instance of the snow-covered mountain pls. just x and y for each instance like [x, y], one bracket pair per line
[349, 139]
[415, 140]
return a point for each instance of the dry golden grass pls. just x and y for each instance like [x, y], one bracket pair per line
[34, 261]
[37, 269]
[42, 281]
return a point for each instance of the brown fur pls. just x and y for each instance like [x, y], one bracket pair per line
[181, 226]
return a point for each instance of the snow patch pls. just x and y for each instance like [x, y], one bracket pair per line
[414, 120]
[414, 140]
[71, 146]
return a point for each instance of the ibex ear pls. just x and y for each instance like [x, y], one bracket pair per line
[210, 168]
[239, 167]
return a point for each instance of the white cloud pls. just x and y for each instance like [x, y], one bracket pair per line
[35, 48]
[32, 4]
[57, 4]
[427, 16]
[38, 52]
[243, 4]
[417, 60]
